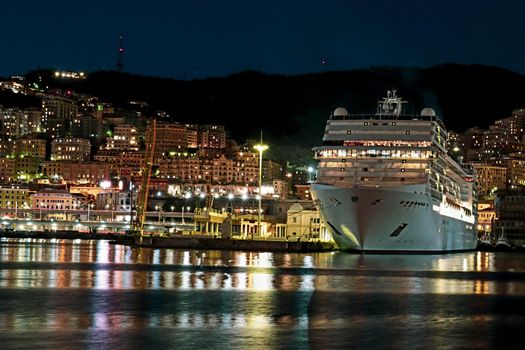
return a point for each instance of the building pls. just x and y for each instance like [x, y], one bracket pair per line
[58, 115]
[13, 123]
[272, 170]
[77, 172]
[71, 149]
[27, 168]
[29, 147]
[171, 137]
[117, 202]
[55, 203]
[303, 192]
[304, 224]
[515, 171]
[14, 197]
[510, 223]
[490, 178]
[212, 136]
[7, 170]
[124, 138]
[486, 217]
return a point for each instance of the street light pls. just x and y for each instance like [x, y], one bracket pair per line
[261, 148]
[311, 170]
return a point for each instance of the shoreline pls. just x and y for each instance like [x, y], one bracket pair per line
[180, 242]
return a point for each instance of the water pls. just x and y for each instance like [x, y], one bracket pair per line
[63, 294]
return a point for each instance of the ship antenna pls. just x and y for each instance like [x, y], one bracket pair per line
[120, 54]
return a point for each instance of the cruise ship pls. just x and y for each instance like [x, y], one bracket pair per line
[385, 183]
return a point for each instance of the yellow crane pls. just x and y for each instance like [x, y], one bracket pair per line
[142, 198]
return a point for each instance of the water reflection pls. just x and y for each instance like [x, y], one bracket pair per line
[61, 287]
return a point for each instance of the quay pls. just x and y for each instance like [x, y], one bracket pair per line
[191, 241]
[202, 242]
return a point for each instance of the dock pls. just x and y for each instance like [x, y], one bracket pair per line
[211, 243]
[200, 242]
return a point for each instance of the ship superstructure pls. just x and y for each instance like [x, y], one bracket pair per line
[386, 183]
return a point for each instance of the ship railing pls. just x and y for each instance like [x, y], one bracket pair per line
[365, 116]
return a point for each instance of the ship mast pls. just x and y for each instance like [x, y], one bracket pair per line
[391, 105]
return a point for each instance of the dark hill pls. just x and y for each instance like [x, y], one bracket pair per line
[292, 110]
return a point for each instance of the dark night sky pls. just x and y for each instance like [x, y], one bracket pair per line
[202, 38]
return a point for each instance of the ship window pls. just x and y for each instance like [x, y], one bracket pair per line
[366, 123]
[402, 179]
[348, 131]
[393, 123]
[375, 124]
[402, 170]
[343, 160]
[365, 169]
[384, 124]
[408, 132]
[342, 169]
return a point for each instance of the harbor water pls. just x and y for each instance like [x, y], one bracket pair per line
[67, 294]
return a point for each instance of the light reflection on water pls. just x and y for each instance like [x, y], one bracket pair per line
[53, 289]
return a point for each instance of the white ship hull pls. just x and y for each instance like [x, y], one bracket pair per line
[401, 218]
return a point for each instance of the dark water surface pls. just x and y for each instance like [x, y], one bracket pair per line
[63, 294]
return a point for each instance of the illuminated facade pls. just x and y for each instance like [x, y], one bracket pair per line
[171, 137]
[7, 170]
[212, 136]
[76, 172]
[124, 138]
[54, 199]
[58, 114]
[243, 168]
[30, 147]
[14, 197]
[70, 149]
[490, 178]
[305, 223]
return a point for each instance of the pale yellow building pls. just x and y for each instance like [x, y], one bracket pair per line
[490, 177]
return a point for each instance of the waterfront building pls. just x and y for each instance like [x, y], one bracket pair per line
[118, 201]
[510, 223]
[486, 217]
[76, 172]
[56, 203]
[303, 223]
[71, 149]
[14, 197]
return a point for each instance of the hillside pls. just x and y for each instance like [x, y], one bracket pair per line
[292, 110]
